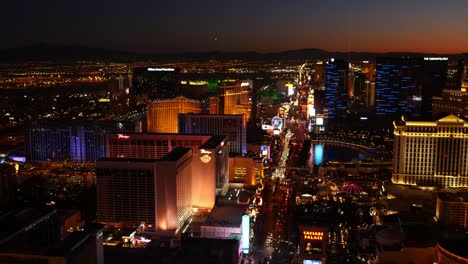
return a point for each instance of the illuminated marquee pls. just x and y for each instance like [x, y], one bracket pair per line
[312, 235]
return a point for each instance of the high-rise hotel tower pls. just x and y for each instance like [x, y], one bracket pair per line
[431, 153]
[162, 114]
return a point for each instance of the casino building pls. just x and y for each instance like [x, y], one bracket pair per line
[313, 244]
[149, 192]
[235, 99]
[431, 153]
[162, 114]
[210, 171]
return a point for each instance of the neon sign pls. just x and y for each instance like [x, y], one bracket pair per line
[312, 235]
[435, 58]
[202, 151]
[122, 136]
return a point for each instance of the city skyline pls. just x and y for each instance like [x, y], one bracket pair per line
[299, 132]
[184, 26]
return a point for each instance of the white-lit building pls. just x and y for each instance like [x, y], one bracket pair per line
[431, 153]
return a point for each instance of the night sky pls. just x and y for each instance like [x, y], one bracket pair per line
[243, 25]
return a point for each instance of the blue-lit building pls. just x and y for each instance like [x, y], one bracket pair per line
[405, 86]
[74, 142]
[398, 89]
[336, 91]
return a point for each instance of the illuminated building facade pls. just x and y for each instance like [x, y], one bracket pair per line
[210, 170]
[336, 91]
[149, 83]
[76, 142]
[362, 85]
[368, 69]
[397, 90]
[407, 85]
[120, 87]
[455, 74]
[155, 193]
[431, 153]
[233, 126]
[451, 102]
[209, 166]
[214, 105]
[452, 210]
[245, 170]
[236, 98]
[162, 114]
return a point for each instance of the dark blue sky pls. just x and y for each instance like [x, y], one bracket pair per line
[242, 25]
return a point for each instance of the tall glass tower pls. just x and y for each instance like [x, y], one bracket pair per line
[336, 92]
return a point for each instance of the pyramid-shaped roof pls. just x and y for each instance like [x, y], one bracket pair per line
[451, 119]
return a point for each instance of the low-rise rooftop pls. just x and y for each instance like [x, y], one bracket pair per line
[226, 216]
[213, 142]
[176, 154]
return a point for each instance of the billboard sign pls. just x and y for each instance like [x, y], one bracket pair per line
[277, 122]
[319, 121]
[245, 234]
[265, 151]
[312, 261]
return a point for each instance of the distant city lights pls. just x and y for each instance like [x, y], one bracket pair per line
[161, 69]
